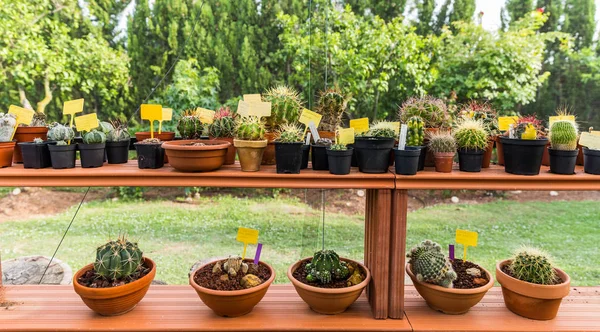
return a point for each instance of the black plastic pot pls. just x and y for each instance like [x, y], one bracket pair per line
[305, 155]
[62, 156]
[373, 153]
[150, 155]
[591, 161]
[407, 161]
[522, 156]
[117, 152]
[288, 157]
[319, 158]
[35, 155]
[422, 156]
[563, 161]
[92, 155]
[470, 160]
[354, 161]
[340, 161]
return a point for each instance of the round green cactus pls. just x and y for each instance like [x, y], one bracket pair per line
[119, 133]
[471, 134]
[415, 136]
[563, 135]
[94, 137]
[382, 129]
[190, 126]
[223, 124]
[286, 105]
[442, 142]
[433, 111]
[60, 133]
[117, 259]
[430, 265]
[533, 265]
[106, 127]
[290, 133]
[326, 266]
[250, 128]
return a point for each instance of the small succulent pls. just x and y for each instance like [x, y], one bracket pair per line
[326, 266]
[106, 127]
[117, 259]
[119, 132]
[290, 133]
[324, 142]
[430, 265]
[151, 141]
[190, 126]
[60, 133]
[94, 137]
[442, 142]
[382, 129]
[232, 266]
[250, 128]
[338, 147]
[38, 140]
[223, 124]
[286, 105]
[563, 135]
[533, 265]
[415, 135]
[332, 105]
[432, 110]
[471, 134]
[7, 126]
[39, 120]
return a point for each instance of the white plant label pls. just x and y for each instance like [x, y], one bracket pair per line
[402, 137]
[314, 131]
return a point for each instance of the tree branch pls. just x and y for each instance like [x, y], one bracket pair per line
[23, 98]
[44, 102]
[58, 8]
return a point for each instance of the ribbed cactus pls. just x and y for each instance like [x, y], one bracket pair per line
[326, 266]
[471, 134]
[190, 126]
[286, 105]
[416, 132]
[332, 105]
[533, 265]
[119, 133]
[117, 259]
[563, 135]
[433, 111]
[250, 128]
[7, 126]
[338, 147]
[382, 129]
[106, 127]
[223, 124]
[39, 120]
[442, 142]
[94, 137]
[430, 265]
[290, 133]
[60, 133]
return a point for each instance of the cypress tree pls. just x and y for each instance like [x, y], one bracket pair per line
[424, 22]
[514, 10]
[579, 21]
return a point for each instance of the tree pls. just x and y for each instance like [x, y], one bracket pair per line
[424, 22]
[514, 10]
[386, 9]
[106, 15]
[453, 11]
[579, 21]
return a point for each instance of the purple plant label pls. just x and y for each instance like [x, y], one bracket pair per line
[257, 256]
[451, 251]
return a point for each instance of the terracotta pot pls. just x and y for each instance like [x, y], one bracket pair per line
[6, 153]
[444, 161]
[450, 301]
[529, 300]
[268, 157]
[115, 300]
[487, 156]
[546, 155]
[327, 134]
[580, 155]
[188, 158]
[250, 154]
[429, 158]
[27, 134]
[232, 303]
[499, 151]
[328, 301]
[230, 156]
[164, 136]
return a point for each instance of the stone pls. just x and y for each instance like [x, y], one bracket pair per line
[455, 199]
[250, 280]
[360, 193]
[16, 191]
[554, 193]
[480, 281]
[29, 269]
[475, 272]
[224, 277]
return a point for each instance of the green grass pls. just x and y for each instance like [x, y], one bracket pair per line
[176, 235]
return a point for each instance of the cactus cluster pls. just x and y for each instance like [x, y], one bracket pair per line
[60, 134]
[223, 124]
[442, 142]
[533, 265]
[484, 112]
[190, 126]
[39, 120]
[94, 137]
[382, 129]
[117, 259]
[119, 132]
[415, 135]
[432, 110]
[332, 105]
[338, 147]
[250, 128]
[7, 126]
[429, 264]
[286, 105]
[290, 133]
[471, 134]
[326, 266]
[563, 135]
[38, 140]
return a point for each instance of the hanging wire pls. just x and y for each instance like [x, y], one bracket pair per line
[323, 216]
[326, 43]
[310, 43]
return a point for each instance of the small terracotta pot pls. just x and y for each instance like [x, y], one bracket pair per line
[250, 154]
[546, 155]
[429, 158]
[163, 136]
[232, 303]
[230, 156]
[444, 161]
[6, 153]
[27, 134]
[540, 302]
[450, 301]
[327, 134]
[189, 158]
[328, 301]
[499, 150]
[487, 156]
[580, 155]
[118, 300]
[268, 157]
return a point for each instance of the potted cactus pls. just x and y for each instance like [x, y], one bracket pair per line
[117, 143]
[232, 287]
[489, 117]
[190, 126]
[62, 149]
[443, 146]
[8, 122]
[563, 147]
[524, 147]
[319, 159]
[374, 147]
[150, 153]
[591, 159]
[327, 283]
[288, 149]
[92, 149]
[35, 154]
[331, 105]
[472, 140]
[286, 105]
[449, 286]
[415, 139]
[532, 286]
[223, 129]
[117, 280]
[250, 142]
[339, 159]
[36, 129]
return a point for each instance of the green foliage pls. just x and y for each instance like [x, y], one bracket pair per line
[190, 126]
[533, 265]
[441, 142]
[94, 137]
[514, 10]
[60, 133]
[338, 147]
[432, 110]
[290, 133]
[286, 106]
[325, 267]
[223, 124]
[117, 259]
[424, 23]
[8, 122]
[429, 264]
[130, 193]
[250, 128]
[332, 105]
[471, 134]
[563, 135]
[415, 135]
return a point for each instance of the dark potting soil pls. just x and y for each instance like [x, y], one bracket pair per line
[206, 278]
[93, 280]
[465, 280]
[506, 270]
[301, 273]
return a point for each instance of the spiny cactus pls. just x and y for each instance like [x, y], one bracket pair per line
[471, 134]
[250, 128]
[119, 133]
[338, 147]
[60, 133]
[442, 142]
[383, 129]
[39, 120]
[430, 265]
[190, 126]
[563, 135]
[223, 124]
[7, 126]
[94, 137]
[290, 133]
[482, 111]
[326, 266]
[286, 105]
[432, 110]
[38, 140]
[117, 259]
[151, 141]
[533, 265]
[415, 135]
[332, 105]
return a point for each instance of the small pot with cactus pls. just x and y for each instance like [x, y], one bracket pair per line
[92, 150]
[61, 146]
[451, 286]
[190, 126]
[472, 140]
[117, 143]
[288, 149]
[8, 122]
[443, 146]
[27, 133]
[223, 129]
[339, 159]
[489, 117]
[35, 154]
[250, 142]
[532, 286]
[524, 146]
[117, 280]
[374, 147]
[563, 149]
[332, 104]
[328, 283]
[319, 159]
[415, 139]
[150, 153]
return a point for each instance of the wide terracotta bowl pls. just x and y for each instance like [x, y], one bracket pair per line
[328, 301]
[232, 303]
[450, 300]
[6, 153]
[115, 300]
[189, 158]
[230, 156]
[529, 300]
[27, 134]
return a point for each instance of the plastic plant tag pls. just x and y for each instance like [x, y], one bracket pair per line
[151, 112]
[590, 141]
[307, 116]
[259, 109]
[505, 121]
[253, 98]
[87, 122]
[451, 251]
[402, 137]
[71, 108]
[247, 235]
[307, 142]
[467, 239]
[360, 125]
[553, 119]
[167, 115]
[23, 115]
[243, 108]
[530, 133]
[595, 132]
[314, 131]
[345, 136]
[257, 255]
[205, 115]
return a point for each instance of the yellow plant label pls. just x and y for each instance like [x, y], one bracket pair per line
[561, 118]
[87, 122]
[360, 125]
[466, 238]
[73, 107]
[530, 132]
[595, 132]
[167, 114]
[346, 136]
[151, 112]
[396, 128]
[504, 122]
[254, 98]
[307, 116]
[247, 235]
[259, 109]
[23, 115]
[243, 108]
[590, 141]
[205, 115]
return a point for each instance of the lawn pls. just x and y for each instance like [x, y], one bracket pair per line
[176, 235]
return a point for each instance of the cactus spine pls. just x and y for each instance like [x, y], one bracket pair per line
[430, 265]
[119, 133]
[332, 105]
[534, 266]
[416, 133]
[326, 266]
[563, 135]
[223, 124]
[250, 128]
[286, 105]
[471, 134]
[442, 142]
[290, 133]
[190, 126]
[382, 129]
[433, 111]
[117, 259]
[94, 137]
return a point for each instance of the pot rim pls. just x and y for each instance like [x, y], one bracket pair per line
[374, 138]
[519, 141]
[471, 151]
[8, 144]
[209, 291]
[531, 287]
[210, 145]
[241, 143]
[591, 152]
[563, 152]
[30, 130]
[298, 283]
[457, 291]
[444, 154]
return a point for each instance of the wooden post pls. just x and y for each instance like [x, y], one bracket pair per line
[398, 253]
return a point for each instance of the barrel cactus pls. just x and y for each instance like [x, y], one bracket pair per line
[382, 129]
[429, 264]
[415, 136]
[338, 147]
[106, 127]
[433, 111]
[223, 124]
[471, 134]
[442, 142]
[563, 135]
[190, 126]
[119, 133]
[331, 105]
[7, 126]
[533, 265]
[290, 133]
[60, 133]
[117, 259]
[250, 128]
[94, 137]
[286, 106]
[326, 266]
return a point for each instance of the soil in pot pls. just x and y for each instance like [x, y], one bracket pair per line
[288, 157]
[444, 161]
[339, 161]
[591, 163]
[523, 157]
[150, 155]
[35, 155]
[6, 153]
[117, 152]
[196, 155]
[563, 161]
[62, 156]
[470, 160]
[250, 154]
[27, 134]
[224, 282]
[465, 280]
[92, 155]
[407, 161]
[305, 156]
[373, 154]
[91, 279]
[319, 159]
